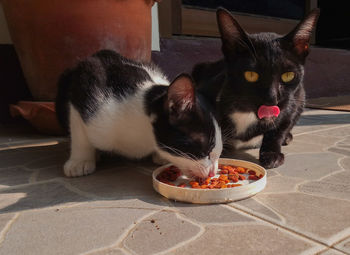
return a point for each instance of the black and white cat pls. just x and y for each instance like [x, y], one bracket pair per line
[260, 85]
[110, 103]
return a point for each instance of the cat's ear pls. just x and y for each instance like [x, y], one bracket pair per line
[181, 97]
[233, 37]
[301, 34]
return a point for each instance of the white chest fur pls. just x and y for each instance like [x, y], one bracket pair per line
[123, 127]
[242, 121]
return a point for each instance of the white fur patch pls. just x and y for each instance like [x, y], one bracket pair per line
[123, 127]
[242, 120]
[82, 158]
[157, 77]
[255, 142]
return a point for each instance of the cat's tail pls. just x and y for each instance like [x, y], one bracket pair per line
[62, 99]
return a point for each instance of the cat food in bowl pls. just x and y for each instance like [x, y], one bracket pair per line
[235, 180]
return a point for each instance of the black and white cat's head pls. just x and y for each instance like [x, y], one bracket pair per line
[186, 130]
[264, 69]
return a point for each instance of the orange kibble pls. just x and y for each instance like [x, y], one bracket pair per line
[233, 178]
[228, 178]
[194, 184]
[207, 181]
[241, 170]
[231, 171]
[214, 182]
[253, 177]
[234, 174]
[251, 172]
[228, 168]
[218, 185]
[231, 168]
[241, 177]
[223, 177]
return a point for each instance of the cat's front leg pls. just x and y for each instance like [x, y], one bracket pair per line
[82, 160]
[158, 160]
[287, 139]
[270, 150]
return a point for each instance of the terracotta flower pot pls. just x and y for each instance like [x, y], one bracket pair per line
[50, 36]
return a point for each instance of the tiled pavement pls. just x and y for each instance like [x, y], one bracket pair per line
[304, 209]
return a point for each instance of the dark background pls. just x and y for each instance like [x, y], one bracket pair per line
[291, 9]
[333, 29]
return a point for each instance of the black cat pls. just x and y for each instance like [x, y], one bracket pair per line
[261, 85]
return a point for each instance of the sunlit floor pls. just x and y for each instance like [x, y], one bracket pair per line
[304, 209]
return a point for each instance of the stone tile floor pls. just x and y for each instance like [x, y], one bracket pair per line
[304, 209]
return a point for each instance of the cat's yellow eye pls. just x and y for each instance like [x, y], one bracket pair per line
[251, 76]
[288, 76]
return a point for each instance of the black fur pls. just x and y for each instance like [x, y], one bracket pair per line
[189, 130]
[192, 133]
[270, 55]
[106, 70]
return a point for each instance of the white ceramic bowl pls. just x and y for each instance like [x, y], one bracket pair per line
[209, 196]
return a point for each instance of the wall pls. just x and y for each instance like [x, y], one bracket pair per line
[4, 33]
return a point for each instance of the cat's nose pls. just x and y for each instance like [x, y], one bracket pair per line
[271, 97]
[271, 101]
[211, 172]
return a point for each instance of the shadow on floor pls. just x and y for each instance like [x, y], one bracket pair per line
[324, 119]
[33, 178]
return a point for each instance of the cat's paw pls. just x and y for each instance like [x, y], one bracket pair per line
[158, 160]
[75, 168]
[271, 159]
[287, 139]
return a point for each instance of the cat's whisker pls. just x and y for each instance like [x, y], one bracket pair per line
[183, 155]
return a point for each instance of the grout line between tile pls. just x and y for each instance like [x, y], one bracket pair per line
[341, 240]
[281, 226]
[127, 232]
[325, 129]
[73, 189]
[27, 184]
[7, 228]
[183, 243]
[118, 243]
[327, 249]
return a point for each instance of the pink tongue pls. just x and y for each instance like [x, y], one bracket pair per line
[268, 111]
